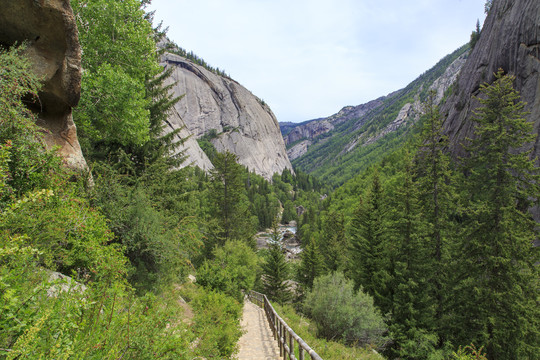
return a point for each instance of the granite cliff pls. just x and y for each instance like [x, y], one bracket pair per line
[50, 32]
[239, 121]
[510, 39]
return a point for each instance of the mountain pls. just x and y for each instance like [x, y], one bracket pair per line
[510, 39]
[338, 147]
[232, 118]
[299, 137]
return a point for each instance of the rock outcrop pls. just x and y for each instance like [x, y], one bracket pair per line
[510, 39]
[308, 131]
[241, 123]
[299, 149]
[50, 30]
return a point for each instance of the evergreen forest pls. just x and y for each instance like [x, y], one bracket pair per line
[414, 254]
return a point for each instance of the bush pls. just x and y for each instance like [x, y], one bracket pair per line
[217, 324]
[233, 269]
[340, 313]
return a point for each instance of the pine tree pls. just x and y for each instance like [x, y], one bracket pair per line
[276, 270]
[497, 306]
[369, 264]
[435, 183]
[334, 244]
[409, 295]
[311, 265]
[229, 202]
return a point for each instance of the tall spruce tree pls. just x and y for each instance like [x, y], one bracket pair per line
[334, 243]
[436, 185]
[311, 264]
[408, 291]
[369, 264]
[229, 202]
[276, 270]
[497, 305]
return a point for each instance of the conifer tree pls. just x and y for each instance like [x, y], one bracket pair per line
[409, 295]
[311, 265]
[435, 183]
[498, 302]
[276, 269]
[369, 263]
[229, 202]
[334, 243]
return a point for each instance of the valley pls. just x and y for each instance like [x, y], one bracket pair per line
[145, 193]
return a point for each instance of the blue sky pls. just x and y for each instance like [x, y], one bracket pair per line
[309, 58]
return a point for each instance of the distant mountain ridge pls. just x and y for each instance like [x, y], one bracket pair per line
[337, 147]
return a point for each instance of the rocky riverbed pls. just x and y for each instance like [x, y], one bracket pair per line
[288, 239]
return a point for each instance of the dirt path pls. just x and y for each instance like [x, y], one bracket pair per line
[257, 343]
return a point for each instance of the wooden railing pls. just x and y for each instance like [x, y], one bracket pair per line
[283, 333]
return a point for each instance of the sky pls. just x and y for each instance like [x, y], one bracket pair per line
[309, 58]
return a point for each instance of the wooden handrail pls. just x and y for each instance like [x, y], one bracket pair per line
[283, 333]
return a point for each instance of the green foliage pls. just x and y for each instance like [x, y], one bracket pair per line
[70, 236]
[113, 108]
[469, 352]
[334, 244]
[217, 324]
[26, 163]
[229, 203]
[152, 220]
[411, 305]
[276, 272]
[496, 267]
[327, 349]
[311, 265]
[119, 56]
[369, 229]
[342, 313]
[438, 199]
[232, 271]
[475, 35]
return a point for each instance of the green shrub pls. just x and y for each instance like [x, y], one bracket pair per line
[26, 164]
[233, 269]
[342, 313]
[217, 323]
[469, 352]
[71, 237]
[327, 349]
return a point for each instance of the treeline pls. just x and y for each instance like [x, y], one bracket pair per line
[444, 246]
[190, 55]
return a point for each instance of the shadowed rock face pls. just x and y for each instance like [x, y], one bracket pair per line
[510, 40]
[243, 124]
[49, 28]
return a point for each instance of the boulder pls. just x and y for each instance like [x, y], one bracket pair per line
[50, 31]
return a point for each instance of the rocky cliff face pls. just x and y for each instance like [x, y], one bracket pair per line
[510, 39]
[243, 124]
[50, 30]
